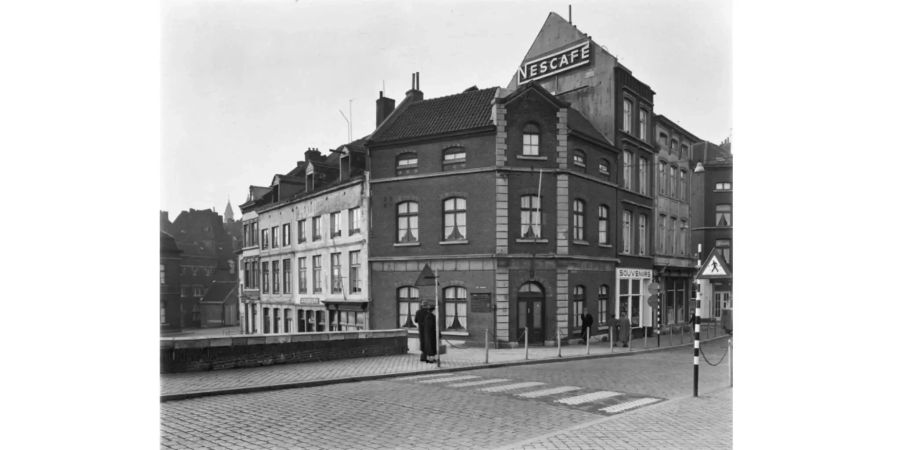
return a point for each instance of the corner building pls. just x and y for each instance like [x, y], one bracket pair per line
[510, 196]
[570, 65]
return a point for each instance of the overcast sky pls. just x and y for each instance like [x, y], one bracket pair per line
[247, 87]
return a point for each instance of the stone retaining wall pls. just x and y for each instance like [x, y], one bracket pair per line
[186, 354]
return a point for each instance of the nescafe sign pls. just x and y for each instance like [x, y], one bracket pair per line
[561, 61]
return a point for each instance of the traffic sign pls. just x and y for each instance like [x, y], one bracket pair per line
[653, 301]
[714, 267]
[653, 288]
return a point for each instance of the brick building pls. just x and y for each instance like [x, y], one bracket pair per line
[303, 267]
[169, 283]
[712, 217]
[674, 257]
[509, 196]
[569, 64]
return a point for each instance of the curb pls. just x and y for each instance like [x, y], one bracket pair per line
[314, 383]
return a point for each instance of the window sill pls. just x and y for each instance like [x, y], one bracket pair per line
[532, 241]
[406, 244]
[580, 242]
[532, 157]
[458, 242]
[352, 232]
[604, 245]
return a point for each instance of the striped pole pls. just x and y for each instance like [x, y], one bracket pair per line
[658, 318]
[697, 328]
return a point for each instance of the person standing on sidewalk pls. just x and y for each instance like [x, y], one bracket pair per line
[420, 321]
[429, 341]
[587, 320]
[624, 328]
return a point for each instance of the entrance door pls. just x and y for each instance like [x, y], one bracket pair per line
[723, 301]
[531, 313]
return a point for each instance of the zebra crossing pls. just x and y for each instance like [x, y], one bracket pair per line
[598, 401]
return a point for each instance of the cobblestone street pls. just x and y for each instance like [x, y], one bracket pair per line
[632, 401]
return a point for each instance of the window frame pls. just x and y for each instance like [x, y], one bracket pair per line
[643, 124]
[334, 221]
[603, 225]
[407, 217]
[337, 285]
[628, 167]
[275, 231]
[317, 274]
[265, 277]
[317, 228]
[276, 274]
[643, 181]
[355, 267]
[579, 160]
[627, 231]
[642, 235]
[301, 275]
[409, 301]
[533, 211]
[455, 303]
[578, 207]
[354, 215]
[403, 166]
[301, 231]
[724, 215]
[531, 132]
[454, 161]
[287, 276]
[627, 115]
[454, 214]
[286, 234]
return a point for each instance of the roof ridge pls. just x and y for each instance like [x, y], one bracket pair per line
[454, 95]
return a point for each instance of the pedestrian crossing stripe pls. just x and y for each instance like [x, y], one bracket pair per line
[593, 396]
[479, 383]
[418, 377]
[546, 392]
[629, 405]
[449, 379]
[510, 387]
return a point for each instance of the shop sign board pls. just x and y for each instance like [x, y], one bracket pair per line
[481, 302]
[556, 62]
[634, 273]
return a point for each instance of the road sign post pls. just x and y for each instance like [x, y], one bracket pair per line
[653, 302]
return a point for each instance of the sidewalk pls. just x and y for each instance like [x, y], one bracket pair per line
[176, 386]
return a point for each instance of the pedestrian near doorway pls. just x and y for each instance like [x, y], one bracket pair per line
[429, 341]
[587, 321]
[624, 326]
[420, 321]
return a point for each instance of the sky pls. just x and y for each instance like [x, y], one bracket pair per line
[247, 87]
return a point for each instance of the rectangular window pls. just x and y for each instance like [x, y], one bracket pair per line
[578, 220]
[723, 215]
[286, 234]
[288, 276]
[301, 279]
[265, 238]
[630, 300]
[684, 152]
[723, 186]
[301, 231]
[455, 298]
[275, 277]
[265, 277]
[255, 233]
[355, 282]
[408, 222]
[643, 181]
[317, 228]
[673, 180]
[335, 220]
[162, 274]
[317, 273]
[723, 246]
[407, 164]
[672, 239]
[408, 305]
[684, 234]
[628, 160]
[274, 237]
[255, 275]
[626, 116]
[603, 225]
[661, 234]
[266, 324]
[626, 232]
[642, 130]
[661, 178]
[530, 217]
[288, 321]
[455, 219]
[354, 220]
[277, 319]
[682, 187]
[247, 276]
[642, 235]
[336, 281]
[531, 140]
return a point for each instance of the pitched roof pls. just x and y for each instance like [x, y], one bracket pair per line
[579, 123]
[464, 111]
[219, 291]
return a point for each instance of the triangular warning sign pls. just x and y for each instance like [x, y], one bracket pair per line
[714, 267]
[426, 278]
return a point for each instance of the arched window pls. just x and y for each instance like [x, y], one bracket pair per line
[454, 158]
[407, 163]
[531, 288]
[603, 227]
[407, 304]
[455, 302]
[577, 308]
[530, 217]
[578, 220]
[578, 160]
[531, 140]
[604, 167]
[407, 222]
[455, 219]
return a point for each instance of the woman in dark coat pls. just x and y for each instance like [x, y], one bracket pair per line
[429, 340]
[420, 320]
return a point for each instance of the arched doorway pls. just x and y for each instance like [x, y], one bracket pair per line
[531, 312]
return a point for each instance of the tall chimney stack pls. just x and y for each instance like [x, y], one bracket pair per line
[384, 106]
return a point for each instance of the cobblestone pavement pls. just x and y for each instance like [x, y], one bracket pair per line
[409, 413]
[193, 382]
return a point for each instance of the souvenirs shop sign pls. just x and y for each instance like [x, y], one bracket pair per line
[561, 61]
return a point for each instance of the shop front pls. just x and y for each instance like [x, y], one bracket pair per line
[631, 296]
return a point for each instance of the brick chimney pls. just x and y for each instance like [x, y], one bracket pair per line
[415, 94]
[383, 108]
[313, 154]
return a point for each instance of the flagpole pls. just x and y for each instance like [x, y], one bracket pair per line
[437, 320]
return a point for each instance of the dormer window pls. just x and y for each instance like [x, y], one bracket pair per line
[407, 164]
[454, 158]
[531, 139]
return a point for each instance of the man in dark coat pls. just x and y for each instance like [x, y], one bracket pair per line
[420, 321]
[587, 320]
[624, 328]
[429, 342]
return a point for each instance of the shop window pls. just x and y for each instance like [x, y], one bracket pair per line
[408, 222]
[530, 217]
[455, 302]
[455, 219]
[603, 304]
[407, 164]
[531, 140]
[407, 305]
[630, 300]
[603, 225]
[454, 158]
[578, 220]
